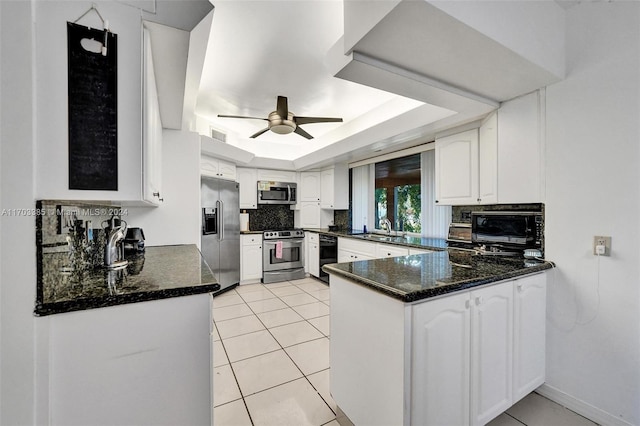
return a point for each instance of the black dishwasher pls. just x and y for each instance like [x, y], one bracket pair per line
[328, 253]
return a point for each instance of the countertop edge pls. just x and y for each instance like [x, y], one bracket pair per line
[358, 237]
[438, 291]
[84, 304]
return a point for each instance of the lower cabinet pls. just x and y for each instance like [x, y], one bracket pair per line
[250, 258]
[389, 250]
[468, 356]
[313, 254]
[350, 250]
[493, 339]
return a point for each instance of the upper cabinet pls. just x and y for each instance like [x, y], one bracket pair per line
[248, 178]
[457, 168]
[520, 150]
[501, 162]
[309, 186]
[276, 175]
[151, 130]
[334, 188]
[214, 167]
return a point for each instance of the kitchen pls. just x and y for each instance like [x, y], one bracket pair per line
[591, 189]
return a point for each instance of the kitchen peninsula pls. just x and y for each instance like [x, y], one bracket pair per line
[448, 337]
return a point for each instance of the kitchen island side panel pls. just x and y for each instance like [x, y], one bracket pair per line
[146, 363]
[368, 335]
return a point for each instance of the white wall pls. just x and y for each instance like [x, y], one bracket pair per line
[593, 182]
[177, 220]
[17, 233]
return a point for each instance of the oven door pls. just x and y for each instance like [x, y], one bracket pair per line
[292, 254]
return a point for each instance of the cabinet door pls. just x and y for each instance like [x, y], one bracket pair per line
[491, 352]
[226, 170]
[209, 166]
[440, 361]
[326, 189]
[152, 133]
[314, 256]
[520, 156]
[457, 169]
[388, 250]
[309, 189]
[247, 178]
[530, 301]
[251, 258]
[488, 161]
[310, 214]
[276, 175]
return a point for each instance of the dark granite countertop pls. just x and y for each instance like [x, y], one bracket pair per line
[421, 276]
[162, 272]
[408, 241]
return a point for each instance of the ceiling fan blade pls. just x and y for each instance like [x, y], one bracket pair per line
[301, 132]
[255, 135]
[307, 120]
[242, 116]
[282, 108]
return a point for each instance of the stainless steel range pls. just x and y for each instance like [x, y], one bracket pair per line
[282, 255]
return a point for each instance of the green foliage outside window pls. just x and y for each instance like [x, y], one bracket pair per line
[408, 208]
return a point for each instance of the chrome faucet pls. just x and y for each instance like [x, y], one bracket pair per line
[387, 224]
[113, 256]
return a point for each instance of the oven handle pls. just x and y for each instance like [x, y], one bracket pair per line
[288, 193]
[286, 240]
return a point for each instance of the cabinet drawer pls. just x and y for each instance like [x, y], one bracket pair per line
[363, 247]
[251, 239]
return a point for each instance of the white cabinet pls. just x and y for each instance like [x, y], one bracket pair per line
[491, 352]
[530, 298]
[520, 155]
[488, 161]
[440, 379]
[350, 250]
[276, 175]
[334, 188]
[472, 384]
[151, 131]
[250, 258]
[313, 258]
[310, 214]
[309, 186]
[247, 180]
[457, 168]
[389, 250]
[217, 168]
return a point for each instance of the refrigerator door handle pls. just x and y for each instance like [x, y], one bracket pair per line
[221, 220]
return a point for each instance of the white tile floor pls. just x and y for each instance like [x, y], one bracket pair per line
[271, 361]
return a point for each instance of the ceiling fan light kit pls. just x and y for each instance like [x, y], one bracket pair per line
[284, 126]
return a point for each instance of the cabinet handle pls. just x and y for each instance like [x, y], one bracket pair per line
[479, 199]
[157, 194]
[519, 285]
[467, 304]
[478, 300]
[437, 201]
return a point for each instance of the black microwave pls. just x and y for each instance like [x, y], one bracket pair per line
[507, 228]
[277, 192]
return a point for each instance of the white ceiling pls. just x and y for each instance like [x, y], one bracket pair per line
[261, 49]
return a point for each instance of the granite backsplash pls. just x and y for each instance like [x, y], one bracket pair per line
[462, 214]
[270, 217]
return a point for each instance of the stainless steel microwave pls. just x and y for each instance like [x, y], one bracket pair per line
[277, 192]
[507, 228]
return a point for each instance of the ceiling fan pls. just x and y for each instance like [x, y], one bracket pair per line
[283, 121]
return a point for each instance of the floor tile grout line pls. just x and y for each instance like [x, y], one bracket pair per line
[515, 418]
[289, 356]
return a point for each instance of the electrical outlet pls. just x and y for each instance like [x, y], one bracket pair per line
[599, 240]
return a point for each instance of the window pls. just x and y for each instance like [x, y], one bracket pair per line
[398, 193]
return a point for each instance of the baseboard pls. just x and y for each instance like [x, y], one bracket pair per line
[584, 409]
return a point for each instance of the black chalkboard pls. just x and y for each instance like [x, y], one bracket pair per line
[93, 118]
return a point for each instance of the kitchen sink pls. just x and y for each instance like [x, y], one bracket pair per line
[375, 237]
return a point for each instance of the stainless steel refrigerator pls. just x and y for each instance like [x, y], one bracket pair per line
[220, 235]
